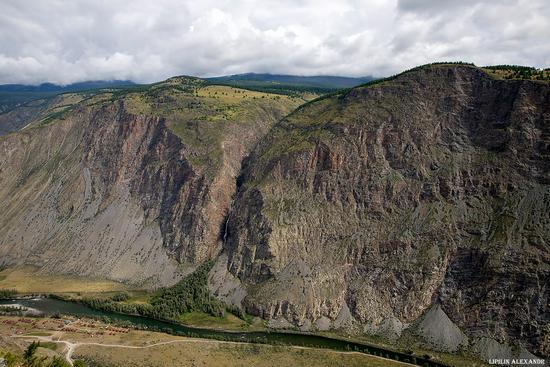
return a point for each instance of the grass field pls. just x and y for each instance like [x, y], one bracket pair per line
[28, 280]
[455, 360]
[227, 322]
[233, 95]
[220, 354]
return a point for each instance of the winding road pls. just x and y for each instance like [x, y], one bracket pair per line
[70, 346]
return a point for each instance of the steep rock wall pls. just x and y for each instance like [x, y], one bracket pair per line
[430, 187]
[106, 191]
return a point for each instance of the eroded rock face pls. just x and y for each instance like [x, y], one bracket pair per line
[430, 187]
[69, 195]
[108, 192]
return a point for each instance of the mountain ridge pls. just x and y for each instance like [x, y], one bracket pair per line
[350, 188]
[323, 81]
[360, 210]
[72, 87]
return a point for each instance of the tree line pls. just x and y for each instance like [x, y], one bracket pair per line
[190, 294]
[7, 293]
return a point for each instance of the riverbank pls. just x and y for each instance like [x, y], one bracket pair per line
[99, 343]
[228, 327]
[283, 339]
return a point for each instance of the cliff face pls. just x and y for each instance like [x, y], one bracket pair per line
[418, 203]
[430, 188]
[116, 187]
[18, 118]
[71, 209]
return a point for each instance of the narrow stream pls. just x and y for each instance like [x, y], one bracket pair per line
[51, 306]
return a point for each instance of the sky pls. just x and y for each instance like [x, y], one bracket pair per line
[146, 41]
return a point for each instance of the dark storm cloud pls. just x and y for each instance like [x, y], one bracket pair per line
[67, 41]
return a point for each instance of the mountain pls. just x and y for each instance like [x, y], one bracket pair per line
[281, 83]
[130, 184]
[369, 207]
[13, 95]
[35, 100]
[74, 87]
[412, 208]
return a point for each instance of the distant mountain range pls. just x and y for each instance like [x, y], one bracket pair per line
[319, 81]
[14, 95]
[75, 87]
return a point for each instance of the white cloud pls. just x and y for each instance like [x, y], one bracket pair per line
[67, 41]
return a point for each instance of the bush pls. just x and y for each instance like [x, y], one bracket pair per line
[58, 362]
[120, 297]
[10, 359]
[7, 293]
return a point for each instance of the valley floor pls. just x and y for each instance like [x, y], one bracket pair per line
[100, 344]
[103, 345]
[28, 280]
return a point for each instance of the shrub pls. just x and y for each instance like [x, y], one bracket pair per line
[7, 293]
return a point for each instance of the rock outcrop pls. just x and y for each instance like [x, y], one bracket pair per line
[133, 188]
[360, 210]
[430, 187]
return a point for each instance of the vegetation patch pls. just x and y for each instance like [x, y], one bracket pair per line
[190, 295]
[31, 358]
[296, 91]
[201, 319]
[39, 333]
[7, 293]
[49, 345]
[517, 72]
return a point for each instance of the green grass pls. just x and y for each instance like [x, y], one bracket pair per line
[283, 89]
[201, 319]
[49, 345]
[517, 72]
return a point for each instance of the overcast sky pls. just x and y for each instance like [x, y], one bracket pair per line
[146, 41]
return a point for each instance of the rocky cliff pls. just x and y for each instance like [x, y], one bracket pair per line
[369, 207]
[413, 208]
[131, 186]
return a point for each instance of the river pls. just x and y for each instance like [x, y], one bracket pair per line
[50, 306]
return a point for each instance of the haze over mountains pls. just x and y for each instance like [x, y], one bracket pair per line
[397, 208]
